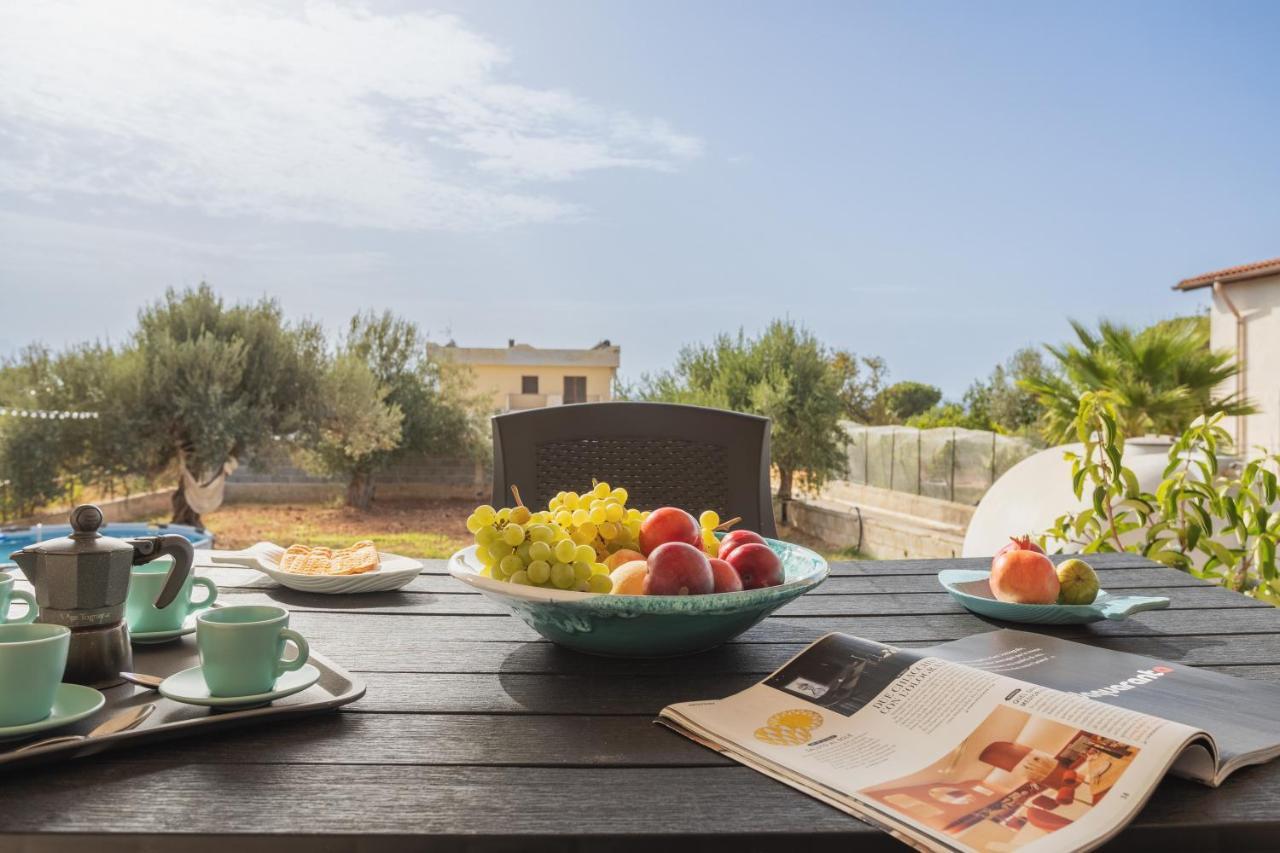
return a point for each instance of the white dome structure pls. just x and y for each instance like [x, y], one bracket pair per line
[1031, 494]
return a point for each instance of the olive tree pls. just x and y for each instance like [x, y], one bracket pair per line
[215, 382]
[353, 427]
[785, 374]
[382, 364]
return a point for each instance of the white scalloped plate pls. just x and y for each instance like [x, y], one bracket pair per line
[393, 572]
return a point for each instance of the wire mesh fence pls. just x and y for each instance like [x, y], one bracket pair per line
[950, 463]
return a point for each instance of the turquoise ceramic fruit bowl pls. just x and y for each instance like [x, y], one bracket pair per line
[645, 626]
[973, 590]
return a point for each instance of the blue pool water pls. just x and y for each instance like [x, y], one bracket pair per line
[15, 538]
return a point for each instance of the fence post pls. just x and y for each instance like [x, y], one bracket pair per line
[866, 459]
[991, 482]
[893, 450]
[952, 478]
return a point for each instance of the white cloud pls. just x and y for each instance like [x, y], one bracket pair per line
[315, 112]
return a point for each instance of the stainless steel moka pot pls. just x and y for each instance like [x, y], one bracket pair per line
[82, 580]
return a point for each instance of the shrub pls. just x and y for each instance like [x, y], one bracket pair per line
[1213, 523]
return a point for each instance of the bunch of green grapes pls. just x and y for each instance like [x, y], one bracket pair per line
[524, 547]
[599, 518]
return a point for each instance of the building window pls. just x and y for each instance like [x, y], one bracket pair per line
[528, 385]
[575, 389]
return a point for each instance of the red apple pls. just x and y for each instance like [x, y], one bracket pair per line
[757, 565]
[678, 568]
[669, 524]
[1020, 543]
[735, 538]
[725, 576]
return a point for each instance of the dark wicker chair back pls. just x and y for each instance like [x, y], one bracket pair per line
[662, 454]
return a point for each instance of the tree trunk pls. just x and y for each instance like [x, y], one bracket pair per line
[360, 490]
[182, 511]
[786, 477]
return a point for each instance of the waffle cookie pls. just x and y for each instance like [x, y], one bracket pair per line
[305, 560]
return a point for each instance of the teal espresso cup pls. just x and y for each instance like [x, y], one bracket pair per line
[146, 582]
[8, 595]
[32, 659]
[242, 649]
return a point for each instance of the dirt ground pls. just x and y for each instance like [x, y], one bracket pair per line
[414, 528]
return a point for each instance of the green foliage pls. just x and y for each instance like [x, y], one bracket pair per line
[30, 465]
[216, 382]
[1161, 378]
[382, 398]
[861, 383]
[784, 374]
[352, 426]
[1199, 519]
[947, 415]
[905, 400]
[442, 414]
[1001, 403]
[202, 382]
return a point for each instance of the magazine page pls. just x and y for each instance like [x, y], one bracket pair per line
[1235, 712]
[965, 758]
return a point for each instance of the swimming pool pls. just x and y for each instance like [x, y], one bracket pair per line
[15, 538]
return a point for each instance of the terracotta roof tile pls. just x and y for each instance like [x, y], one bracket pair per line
[1230, 274]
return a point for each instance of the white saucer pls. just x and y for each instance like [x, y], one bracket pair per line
[148, 638]
[189, 688]
[72, 702]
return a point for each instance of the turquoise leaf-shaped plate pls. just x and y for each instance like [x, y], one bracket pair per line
[973, 590]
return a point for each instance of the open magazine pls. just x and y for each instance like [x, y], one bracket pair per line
[998, 742]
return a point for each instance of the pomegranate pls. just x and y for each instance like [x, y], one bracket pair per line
[1021, 543]
[1024, 576]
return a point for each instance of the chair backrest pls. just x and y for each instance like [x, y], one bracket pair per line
[662, 454]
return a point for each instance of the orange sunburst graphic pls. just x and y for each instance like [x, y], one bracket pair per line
[789, 728]
[783, 735]
[797, 719]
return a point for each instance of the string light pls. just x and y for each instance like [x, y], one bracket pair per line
[46, 414]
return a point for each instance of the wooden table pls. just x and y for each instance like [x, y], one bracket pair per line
[476, 734]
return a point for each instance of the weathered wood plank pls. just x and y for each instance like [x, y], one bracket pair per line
[617, 693]
[455, 739]
[900, 604]
[586, 739]
[614, 693]
[1150, 577]
[759, 658]
[412, 632]
[855, 568]
[467, 803]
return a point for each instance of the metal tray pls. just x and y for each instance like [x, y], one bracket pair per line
[170, 719]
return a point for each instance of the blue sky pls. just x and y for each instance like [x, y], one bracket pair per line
[935, 183]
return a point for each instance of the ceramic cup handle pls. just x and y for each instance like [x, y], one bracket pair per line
[33, 609]
[282, 665]
[210, 587]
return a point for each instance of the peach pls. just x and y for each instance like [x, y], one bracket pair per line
[622, 555]
[1024, 577]
[628, 579]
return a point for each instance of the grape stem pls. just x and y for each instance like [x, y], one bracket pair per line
[725, 525]
[515, 491]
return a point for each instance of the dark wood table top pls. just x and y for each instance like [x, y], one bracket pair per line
[477, 734]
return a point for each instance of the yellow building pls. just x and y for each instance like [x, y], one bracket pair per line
[519, 376]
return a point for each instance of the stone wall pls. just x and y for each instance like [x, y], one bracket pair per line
[132, 508]
[278, 480]
[880, 523]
